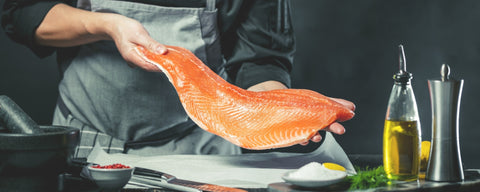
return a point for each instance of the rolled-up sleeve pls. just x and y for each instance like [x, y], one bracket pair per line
[260, 47]
[20, 20]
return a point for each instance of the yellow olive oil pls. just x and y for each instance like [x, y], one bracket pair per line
[401, 149]
[401, 134]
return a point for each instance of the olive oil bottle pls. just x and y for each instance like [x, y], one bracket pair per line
[402, 133]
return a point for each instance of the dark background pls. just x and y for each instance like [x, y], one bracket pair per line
[346, 49]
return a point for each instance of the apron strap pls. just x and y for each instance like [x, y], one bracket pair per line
[210, 5]
[62, 107]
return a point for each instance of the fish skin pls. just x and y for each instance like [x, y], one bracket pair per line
[252, 120]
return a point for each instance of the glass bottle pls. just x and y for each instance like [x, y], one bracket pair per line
[402, 134]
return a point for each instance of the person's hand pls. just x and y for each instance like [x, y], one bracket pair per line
[127, 34]
[335, 127]
[66, 26]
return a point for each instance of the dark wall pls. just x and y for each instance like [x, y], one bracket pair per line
[346, 49]
[29, 81]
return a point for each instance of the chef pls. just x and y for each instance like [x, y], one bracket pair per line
[125, 104]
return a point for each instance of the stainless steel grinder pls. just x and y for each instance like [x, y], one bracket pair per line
[445, 162]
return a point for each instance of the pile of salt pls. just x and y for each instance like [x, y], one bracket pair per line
[316, 171]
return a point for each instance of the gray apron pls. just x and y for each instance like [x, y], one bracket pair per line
[131, 110]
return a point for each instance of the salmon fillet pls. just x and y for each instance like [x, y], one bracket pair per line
[252, 120]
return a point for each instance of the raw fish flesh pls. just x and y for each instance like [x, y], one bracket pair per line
[252, 120]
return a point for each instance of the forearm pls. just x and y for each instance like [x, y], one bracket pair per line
[66, 26]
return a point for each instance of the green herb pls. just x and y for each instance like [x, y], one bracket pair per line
[368, 178]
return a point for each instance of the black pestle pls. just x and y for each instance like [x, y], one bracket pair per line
[14, 119]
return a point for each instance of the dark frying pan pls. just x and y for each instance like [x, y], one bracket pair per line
[32, 156]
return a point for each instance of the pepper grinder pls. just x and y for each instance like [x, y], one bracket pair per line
[445, 162]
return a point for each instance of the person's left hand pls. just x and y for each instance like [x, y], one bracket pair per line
[127, 33]
[336, 127]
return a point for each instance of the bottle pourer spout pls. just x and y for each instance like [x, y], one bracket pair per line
[445, 72]
[402, 61]
[402, 76]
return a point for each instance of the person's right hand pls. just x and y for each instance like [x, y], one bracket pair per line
[127, 33]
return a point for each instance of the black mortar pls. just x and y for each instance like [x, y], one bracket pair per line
[32, 156]
[34, 161]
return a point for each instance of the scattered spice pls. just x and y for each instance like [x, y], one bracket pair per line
[112, 166]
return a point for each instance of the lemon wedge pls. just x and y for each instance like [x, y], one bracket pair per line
[333, 166]
[425, 153]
